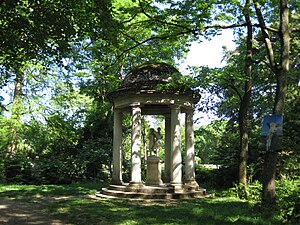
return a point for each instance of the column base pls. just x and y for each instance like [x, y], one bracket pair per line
[177, 187]
[117, 182]
[167, 179]
[191, 185]
[135, 185]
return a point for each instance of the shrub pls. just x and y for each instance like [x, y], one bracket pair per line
[252, 193]
[216, 178]
[288, 199]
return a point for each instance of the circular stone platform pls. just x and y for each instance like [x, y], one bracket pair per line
[163, 191]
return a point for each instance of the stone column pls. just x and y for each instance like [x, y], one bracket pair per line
[117, 148]
[176, 159]
[190, 150]
[167, 176]
[136, 134]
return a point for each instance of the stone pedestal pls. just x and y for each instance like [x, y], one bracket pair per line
[153, 171]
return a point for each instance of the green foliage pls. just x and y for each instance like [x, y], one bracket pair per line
[57, 152]
[5, 125]
[288, 199]
[2, 167]
[208, 140]
[289, 158]
[13, 168]
[18, 169]
[56, 169]
[209, 178]
[66, 73]
[227, 154]
[251, 193]
[37, 29]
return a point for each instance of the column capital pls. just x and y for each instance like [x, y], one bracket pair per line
[136, 104]
[175, 106]
[190, 110]
[117, 110]
[167, 116]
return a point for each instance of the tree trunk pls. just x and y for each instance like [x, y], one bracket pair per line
[269, 168]
[244, 105]
[16, 114]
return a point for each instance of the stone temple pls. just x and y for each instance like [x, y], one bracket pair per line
[154, 89]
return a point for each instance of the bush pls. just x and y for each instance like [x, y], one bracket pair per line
[17, 169]
[215, 178]
[288, 199]
[252, 193]
[2, 167]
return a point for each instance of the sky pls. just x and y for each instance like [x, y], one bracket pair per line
[208, 53]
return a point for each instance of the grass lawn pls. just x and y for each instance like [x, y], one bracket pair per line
[69, 204]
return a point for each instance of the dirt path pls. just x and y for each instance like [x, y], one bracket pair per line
[17, 212]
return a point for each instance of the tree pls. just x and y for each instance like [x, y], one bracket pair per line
[280, 68]
[245, 101]
[34, 31]
[274, 58]
[277, 55]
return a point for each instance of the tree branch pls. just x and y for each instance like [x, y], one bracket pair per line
[266, 36]
[130, 37]
[129, 20]
[295, 60]
[163, 22]
[138, 44]
[236, 91]
[196, 31]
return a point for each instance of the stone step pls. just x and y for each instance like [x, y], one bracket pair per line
[151, 195]
[165, 188]
[146, 189]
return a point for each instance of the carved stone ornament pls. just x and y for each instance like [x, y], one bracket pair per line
[150, 73]
[151, 78]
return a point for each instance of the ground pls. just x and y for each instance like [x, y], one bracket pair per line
[14, 211]
[30, 210]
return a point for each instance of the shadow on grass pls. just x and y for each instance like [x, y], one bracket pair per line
[14, 212]
[220, 211]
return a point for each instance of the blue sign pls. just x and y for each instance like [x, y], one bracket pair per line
[272, 132]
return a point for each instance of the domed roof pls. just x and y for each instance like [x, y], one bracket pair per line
[149, 75]
[146, 80]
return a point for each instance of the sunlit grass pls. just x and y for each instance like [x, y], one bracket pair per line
[80, 210]
[198, 211]
[49, 190]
